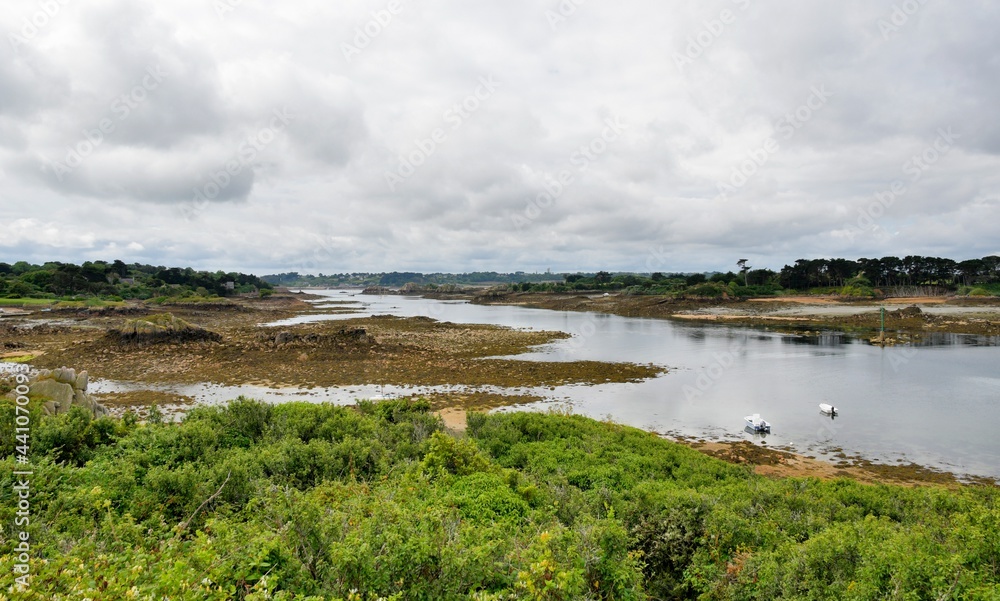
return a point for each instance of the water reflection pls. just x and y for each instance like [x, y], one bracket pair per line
[756, 435]
[820, 339]
[934, 401]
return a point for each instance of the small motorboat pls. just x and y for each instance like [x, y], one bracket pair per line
[828, 409]
[756, 423]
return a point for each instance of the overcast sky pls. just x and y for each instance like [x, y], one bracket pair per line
[448, 135]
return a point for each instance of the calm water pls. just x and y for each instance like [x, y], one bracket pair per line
[936, 404]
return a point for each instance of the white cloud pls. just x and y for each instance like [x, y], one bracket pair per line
[183, 92]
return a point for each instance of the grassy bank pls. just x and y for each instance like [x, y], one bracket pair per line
[303, 501]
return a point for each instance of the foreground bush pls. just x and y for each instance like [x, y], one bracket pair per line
[303, 501]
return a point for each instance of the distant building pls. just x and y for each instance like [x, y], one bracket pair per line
[129, 281]
[230, 285]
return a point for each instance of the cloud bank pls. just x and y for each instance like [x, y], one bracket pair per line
[525, 135]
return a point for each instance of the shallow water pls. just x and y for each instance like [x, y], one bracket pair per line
[936, 403]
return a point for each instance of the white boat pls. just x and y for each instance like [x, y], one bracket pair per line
[756, 423]
[828, 409]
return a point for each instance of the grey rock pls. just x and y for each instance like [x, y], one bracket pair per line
[59, 392]
[64, 388]
[64, 375]
[82, 380]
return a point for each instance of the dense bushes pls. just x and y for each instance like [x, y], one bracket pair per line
[116, 281]
[325, 502]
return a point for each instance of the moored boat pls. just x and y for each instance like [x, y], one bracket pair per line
[756, 423]
[827, 408]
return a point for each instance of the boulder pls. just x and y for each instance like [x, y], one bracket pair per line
[161, 328]
[82, 379]
[64, 388]
[64, 375]
[359, 335]
[59, 392]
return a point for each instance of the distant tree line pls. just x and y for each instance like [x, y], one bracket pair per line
[861, 277]
[118, 279]
[912, 270]
[399, 279]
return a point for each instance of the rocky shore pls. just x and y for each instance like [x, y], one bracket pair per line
[224, 343]
[911, 316]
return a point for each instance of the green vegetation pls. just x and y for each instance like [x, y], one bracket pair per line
[19, 359]
[26, 302]
[399, 279]
[890, 272]
[755, 282]
[303, 501]
[98, 283]
[863, 278]
[980, 290]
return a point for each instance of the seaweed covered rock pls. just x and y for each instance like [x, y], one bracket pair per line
[912, 311]
[163, 327]
[353, 336]
[63, 388]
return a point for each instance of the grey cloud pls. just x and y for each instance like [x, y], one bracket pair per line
[315, 194]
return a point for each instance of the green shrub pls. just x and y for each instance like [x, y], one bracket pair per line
[857, 291]
[704, 290]
[448, 455]
[302, 501]
[73, 437]
[486, 497]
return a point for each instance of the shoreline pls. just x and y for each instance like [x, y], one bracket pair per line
[913, 316]
[63, 337]
[782, 463]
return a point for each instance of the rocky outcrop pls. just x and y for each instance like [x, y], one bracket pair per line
[912, 311]
[63, 388]
[284, 338]
[492, 295]
[378, 291]
[162, 327]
